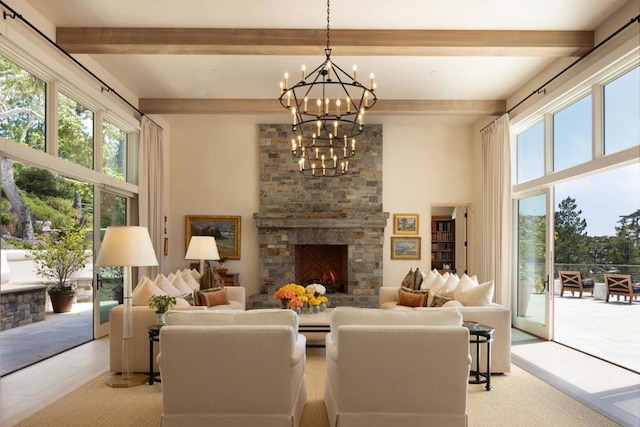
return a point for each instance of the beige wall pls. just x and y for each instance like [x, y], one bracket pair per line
[214, 170]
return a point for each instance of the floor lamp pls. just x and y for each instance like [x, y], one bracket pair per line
[126, 246]
[202, 248]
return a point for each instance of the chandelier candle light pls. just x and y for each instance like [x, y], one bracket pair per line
[328, 106]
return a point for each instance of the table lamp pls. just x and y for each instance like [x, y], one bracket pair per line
[202, 248]
[126, 246]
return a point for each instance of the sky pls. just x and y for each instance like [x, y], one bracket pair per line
[604, 197]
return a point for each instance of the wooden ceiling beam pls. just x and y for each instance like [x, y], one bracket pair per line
[228, 41]
[389, 107]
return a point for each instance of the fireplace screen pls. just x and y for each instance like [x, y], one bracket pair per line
[325, 264]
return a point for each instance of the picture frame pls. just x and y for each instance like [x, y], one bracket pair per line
[406, 248]
[405, 223]
[226, 230]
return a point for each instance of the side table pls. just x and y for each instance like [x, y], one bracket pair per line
[481, 334]
[154, 336]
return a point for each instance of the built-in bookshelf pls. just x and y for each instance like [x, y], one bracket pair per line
[443, 244]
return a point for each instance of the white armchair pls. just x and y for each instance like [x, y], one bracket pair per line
[386, 367]
[234, 369]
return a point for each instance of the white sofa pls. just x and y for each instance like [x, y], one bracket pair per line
[143, 317]
[232, 369]
[396, 368]
[495, 315]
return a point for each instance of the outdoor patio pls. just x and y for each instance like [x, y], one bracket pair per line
[610, 331]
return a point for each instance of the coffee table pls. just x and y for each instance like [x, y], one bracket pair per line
[314, 327]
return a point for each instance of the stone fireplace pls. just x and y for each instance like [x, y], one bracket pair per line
[324, 264]
[298, 212]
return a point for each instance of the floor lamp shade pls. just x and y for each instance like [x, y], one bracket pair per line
[126, 246]
[202, 248]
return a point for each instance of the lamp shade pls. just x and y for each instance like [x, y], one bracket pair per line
[202, 247]
[126, 246]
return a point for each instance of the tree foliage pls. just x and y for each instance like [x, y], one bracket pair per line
[571, 245]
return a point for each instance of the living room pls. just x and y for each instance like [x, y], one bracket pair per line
[213, 166]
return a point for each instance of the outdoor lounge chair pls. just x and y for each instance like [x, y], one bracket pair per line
[572, 281]
[621, 285]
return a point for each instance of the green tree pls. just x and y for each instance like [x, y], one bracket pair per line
[571, 237]
[626, 243]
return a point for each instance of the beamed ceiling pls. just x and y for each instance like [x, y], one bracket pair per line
[463, 58]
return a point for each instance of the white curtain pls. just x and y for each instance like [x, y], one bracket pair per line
[496, 226]
[150, 196]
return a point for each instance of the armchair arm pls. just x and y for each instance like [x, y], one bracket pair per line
[236, 293]
[387, 294]
[299, 350]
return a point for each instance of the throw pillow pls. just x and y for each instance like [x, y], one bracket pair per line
[179, 283]
[144, 290]
[480, 295]
[189, 280]
[449, 286]
[417, 279]
[196, 274]
[210, 279]
[464, 284]
[411, 299]
[427, 280]
[439, 300]
[408, 280]
[212, 297]
[163, 283]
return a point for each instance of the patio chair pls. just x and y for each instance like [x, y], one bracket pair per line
[621, 285]
[572, 281]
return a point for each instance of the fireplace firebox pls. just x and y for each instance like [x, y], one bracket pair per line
[324, 264]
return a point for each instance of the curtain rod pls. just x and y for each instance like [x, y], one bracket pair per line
[542, 89]
[105, 87]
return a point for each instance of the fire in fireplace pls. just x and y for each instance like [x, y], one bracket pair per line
[324, 264]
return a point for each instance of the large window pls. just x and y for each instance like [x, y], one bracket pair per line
[75, 131]
[530, 152]
[114, 151]
[22, 105]
[572, 135]
[622, 112]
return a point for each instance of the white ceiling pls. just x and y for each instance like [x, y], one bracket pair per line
[398, 77]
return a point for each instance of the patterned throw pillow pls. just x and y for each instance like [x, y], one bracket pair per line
[210, 279]
[439, 300]
[211, 297]
[408, 280]
[411, 298]
[417, 281]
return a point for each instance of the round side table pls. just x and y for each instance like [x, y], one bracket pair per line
[154, 336]
[480, 334]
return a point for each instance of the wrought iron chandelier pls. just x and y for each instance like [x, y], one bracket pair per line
[328, 108]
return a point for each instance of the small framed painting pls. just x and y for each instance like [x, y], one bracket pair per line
[226, 230]
[405, 224]
[405, 248]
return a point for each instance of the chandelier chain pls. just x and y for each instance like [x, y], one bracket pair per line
[328, 12]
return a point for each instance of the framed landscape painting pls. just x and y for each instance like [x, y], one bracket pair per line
[405, 248]
[225, 229]
[405, 224]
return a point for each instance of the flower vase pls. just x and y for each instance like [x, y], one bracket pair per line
[161, 318]
[323, 306]
[298, 310]
[284, 303]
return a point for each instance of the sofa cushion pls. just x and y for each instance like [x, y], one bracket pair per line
[144, 291]
[344, 315]
[465, 284]
[480, 295]
[449, 286]
[417, 279]
[235, 317]
[411, 298]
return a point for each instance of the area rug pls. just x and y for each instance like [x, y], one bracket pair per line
[517, 399]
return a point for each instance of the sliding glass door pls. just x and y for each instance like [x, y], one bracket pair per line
[109, 289]
[533, 297]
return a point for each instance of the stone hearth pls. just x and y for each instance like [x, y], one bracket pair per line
[297, 210]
